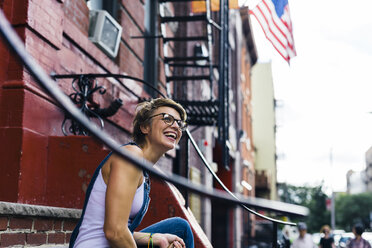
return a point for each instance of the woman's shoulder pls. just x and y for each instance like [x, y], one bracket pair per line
[133, 148]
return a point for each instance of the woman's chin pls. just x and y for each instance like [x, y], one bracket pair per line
[170, 145]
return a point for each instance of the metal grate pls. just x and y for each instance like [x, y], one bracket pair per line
[201, 113]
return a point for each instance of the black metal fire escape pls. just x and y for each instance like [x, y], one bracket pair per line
[213, 111]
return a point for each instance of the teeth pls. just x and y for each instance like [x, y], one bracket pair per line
[172, 135]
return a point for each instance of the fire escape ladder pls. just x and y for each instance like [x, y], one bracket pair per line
[201, 112]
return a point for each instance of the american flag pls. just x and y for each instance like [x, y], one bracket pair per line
[274, 18]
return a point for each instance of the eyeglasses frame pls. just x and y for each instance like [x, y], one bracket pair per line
[181, 126]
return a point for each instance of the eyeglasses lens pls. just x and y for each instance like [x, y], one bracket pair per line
[181, 124]
[169, 120]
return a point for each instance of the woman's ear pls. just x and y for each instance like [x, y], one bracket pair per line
[145, 129]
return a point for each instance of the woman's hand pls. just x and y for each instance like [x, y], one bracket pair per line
[165, 240]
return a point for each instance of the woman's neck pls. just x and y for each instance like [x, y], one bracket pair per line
[151, 154]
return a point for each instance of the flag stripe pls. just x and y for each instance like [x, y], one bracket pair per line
[278, 23]
[278, 30]
[270, 27]
[272, 20]
[268, 35]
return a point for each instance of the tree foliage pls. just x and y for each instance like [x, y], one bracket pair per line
[311, 197]
[351, 209]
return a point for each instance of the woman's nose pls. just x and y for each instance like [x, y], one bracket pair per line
[175, 125]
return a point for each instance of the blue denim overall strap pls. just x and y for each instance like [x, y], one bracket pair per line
[137, 220]
[146, 201]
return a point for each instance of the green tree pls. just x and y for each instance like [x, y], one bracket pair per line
[353, 208]
[311, 197]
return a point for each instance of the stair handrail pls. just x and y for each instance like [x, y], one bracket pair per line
[189, 135]
[16, 45]
[205, 162]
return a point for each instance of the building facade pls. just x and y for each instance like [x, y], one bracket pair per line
[368, 170]
[107, 56]
[361, 181]
[44, 174]
[264, 128]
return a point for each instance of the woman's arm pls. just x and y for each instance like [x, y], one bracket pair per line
[122, 183]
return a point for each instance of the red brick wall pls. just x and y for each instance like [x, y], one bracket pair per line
[71, 164]
[37, 164]
[56, 35]
[247, 152]
[34, 231]
[78, 10]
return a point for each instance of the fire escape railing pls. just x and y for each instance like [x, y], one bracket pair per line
[16, 45]
[214, 111]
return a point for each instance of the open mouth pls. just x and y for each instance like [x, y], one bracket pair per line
[171, 135]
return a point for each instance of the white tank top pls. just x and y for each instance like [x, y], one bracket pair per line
[91, 230]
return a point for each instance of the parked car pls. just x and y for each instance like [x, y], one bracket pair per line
[336, 234]
[345, 237]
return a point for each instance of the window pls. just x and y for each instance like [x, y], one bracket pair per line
[111, 6]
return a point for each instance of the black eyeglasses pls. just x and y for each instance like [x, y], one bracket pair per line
[169, 120]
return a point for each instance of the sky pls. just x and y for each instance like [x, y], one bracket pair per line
[325, 94]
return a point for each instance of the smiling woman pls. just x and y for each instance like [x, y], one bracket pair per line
[118, 195]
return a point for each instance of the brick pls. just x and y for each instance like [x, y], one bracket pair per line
[134, 67]
[20, 223]
[68, 237]
[3, 223]
[137, 45]
[43, 224]
[56, 238]
[69, 225]
[136, 10]
[45, 17]
[78, 10]
[8, 239]
[58, 225]
[36, 238]
[161, 72]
